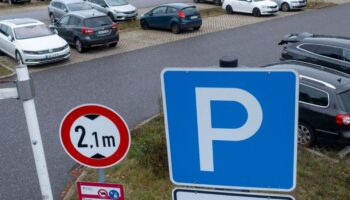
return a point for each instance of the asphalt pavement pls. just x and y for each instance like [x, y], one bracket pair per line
[130, 84]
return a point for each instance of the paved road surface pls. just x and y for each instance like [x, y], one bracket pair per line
[129, 83]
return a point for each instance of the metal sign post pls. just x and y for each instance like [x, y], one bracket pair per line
[101, 175]
[25, 93]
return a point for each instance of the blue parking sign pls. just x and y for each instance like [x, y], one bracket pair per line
[232, 128]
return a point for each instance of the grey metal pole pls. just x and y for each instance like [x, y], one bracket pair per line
[101, 175]
[26, 94]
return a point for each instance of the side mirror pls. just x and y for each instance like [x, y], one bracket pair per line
[65, 10]
[10, 38]
[53, 28]
[104, 5]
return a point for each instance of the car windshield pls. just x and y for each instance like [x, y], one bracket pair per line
[345, 98]
[79, 6]
[98, 21]
[190, 10]
[117, 2]
[27, 32]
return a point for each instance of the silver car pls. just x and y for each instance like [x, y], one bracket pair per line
[117, 10]
[58, 8]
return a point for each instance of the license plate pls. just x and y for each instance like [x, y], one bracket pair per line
[52, 55]
[194, 17]
[103, 32]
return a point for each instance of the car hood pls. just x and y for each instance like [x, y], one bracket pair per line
[124, 8]
[41, 43]
[266, 3]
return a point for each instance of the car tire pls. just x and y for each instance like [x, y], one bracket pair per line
[196, 28]
[110, 15]
[285, 7]
[306, 136]
[113, 44]
[175, 28]
[19, 59]
[52, 18]
[144, 24]
[229, 9]
[256, 12]
[79, 46]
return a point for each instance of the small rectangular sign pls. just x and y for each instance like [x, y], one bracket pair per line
[191, 194]
[98, 191]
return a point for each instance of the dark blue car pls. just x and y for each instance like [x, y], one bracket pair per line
[175, 17]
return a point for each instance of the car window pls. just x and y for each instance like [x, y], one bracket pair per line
[159, 11]
[79, 6]
[64, 20]
[101, 2]
[74, 21]
[34, 31]
[313, 96]
[346, 55]
[331, 52]
[171, 10]
[190, 10]
[98, 21]
[3, 29]
[345, 98]
[8, 31]
[117, 2]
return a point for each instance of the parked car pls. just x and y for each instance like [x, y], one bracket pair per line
[117, 10]
[175, 16]
[287, 5]
[254, 7]
[58, 8]
[329, 51]
[16, 1]
[217, 2]
[31, 42]
[86, 29]
[324, 102]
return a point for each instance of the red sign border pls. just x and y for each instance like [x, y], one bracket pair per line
[81, 196]
[86, 109]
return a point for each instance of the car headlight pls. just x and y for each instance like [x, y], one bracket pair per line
[34, 52]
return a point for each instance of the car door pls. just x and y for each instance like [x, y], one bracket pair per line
[99, 5]
[247, 6]
[74, 24]
[157, 18]
[61, 27]
[171, 14]
[7, 45]
[59, 12]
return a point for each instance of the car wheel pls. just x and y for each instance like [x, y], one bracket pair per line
[229, 9]
[52, 18]
[196, 28]
[113, 44]
[79, 46]
[218, 2]
[256, 12]
[110, 15]
[19, 59]
[285, 7]
[144, 24]
[175, 28]
[306, 136]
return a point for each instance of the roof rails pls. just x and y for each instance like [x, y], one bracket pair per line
[317, 81]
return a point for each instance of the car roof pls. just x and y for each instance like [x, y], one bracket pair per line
[328, 40]
[317, 75]
[88, 13]
[178, 5]
[17, 22]
[68, 1]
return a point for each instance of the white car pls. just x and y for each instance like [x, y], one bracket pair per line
[287, 5]
[117, 10]
[31, 42]
[255, 7]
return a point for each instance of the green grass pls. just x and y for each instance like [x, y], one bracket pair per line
[144, 173]
[4, 71]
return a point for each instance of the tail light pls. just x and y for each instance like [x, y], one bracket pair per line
[115, 26]
[342, 119]
[181, 14]
[87, 31]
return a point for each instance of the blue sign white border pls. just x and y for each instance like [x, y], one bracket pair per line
[231, 193]
[231, 70]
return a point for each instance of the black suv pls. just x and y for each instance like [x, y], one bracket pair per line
[324, 102]
[328, 51]
[86, 29]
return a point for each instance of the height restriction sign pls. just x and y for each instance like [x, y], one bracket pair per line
[95, 136]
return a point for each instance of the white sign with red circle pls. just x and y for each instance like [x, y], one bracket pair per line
[95, 135]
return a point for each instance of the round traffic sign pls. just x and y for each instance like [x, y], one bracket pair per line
[95, 135]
